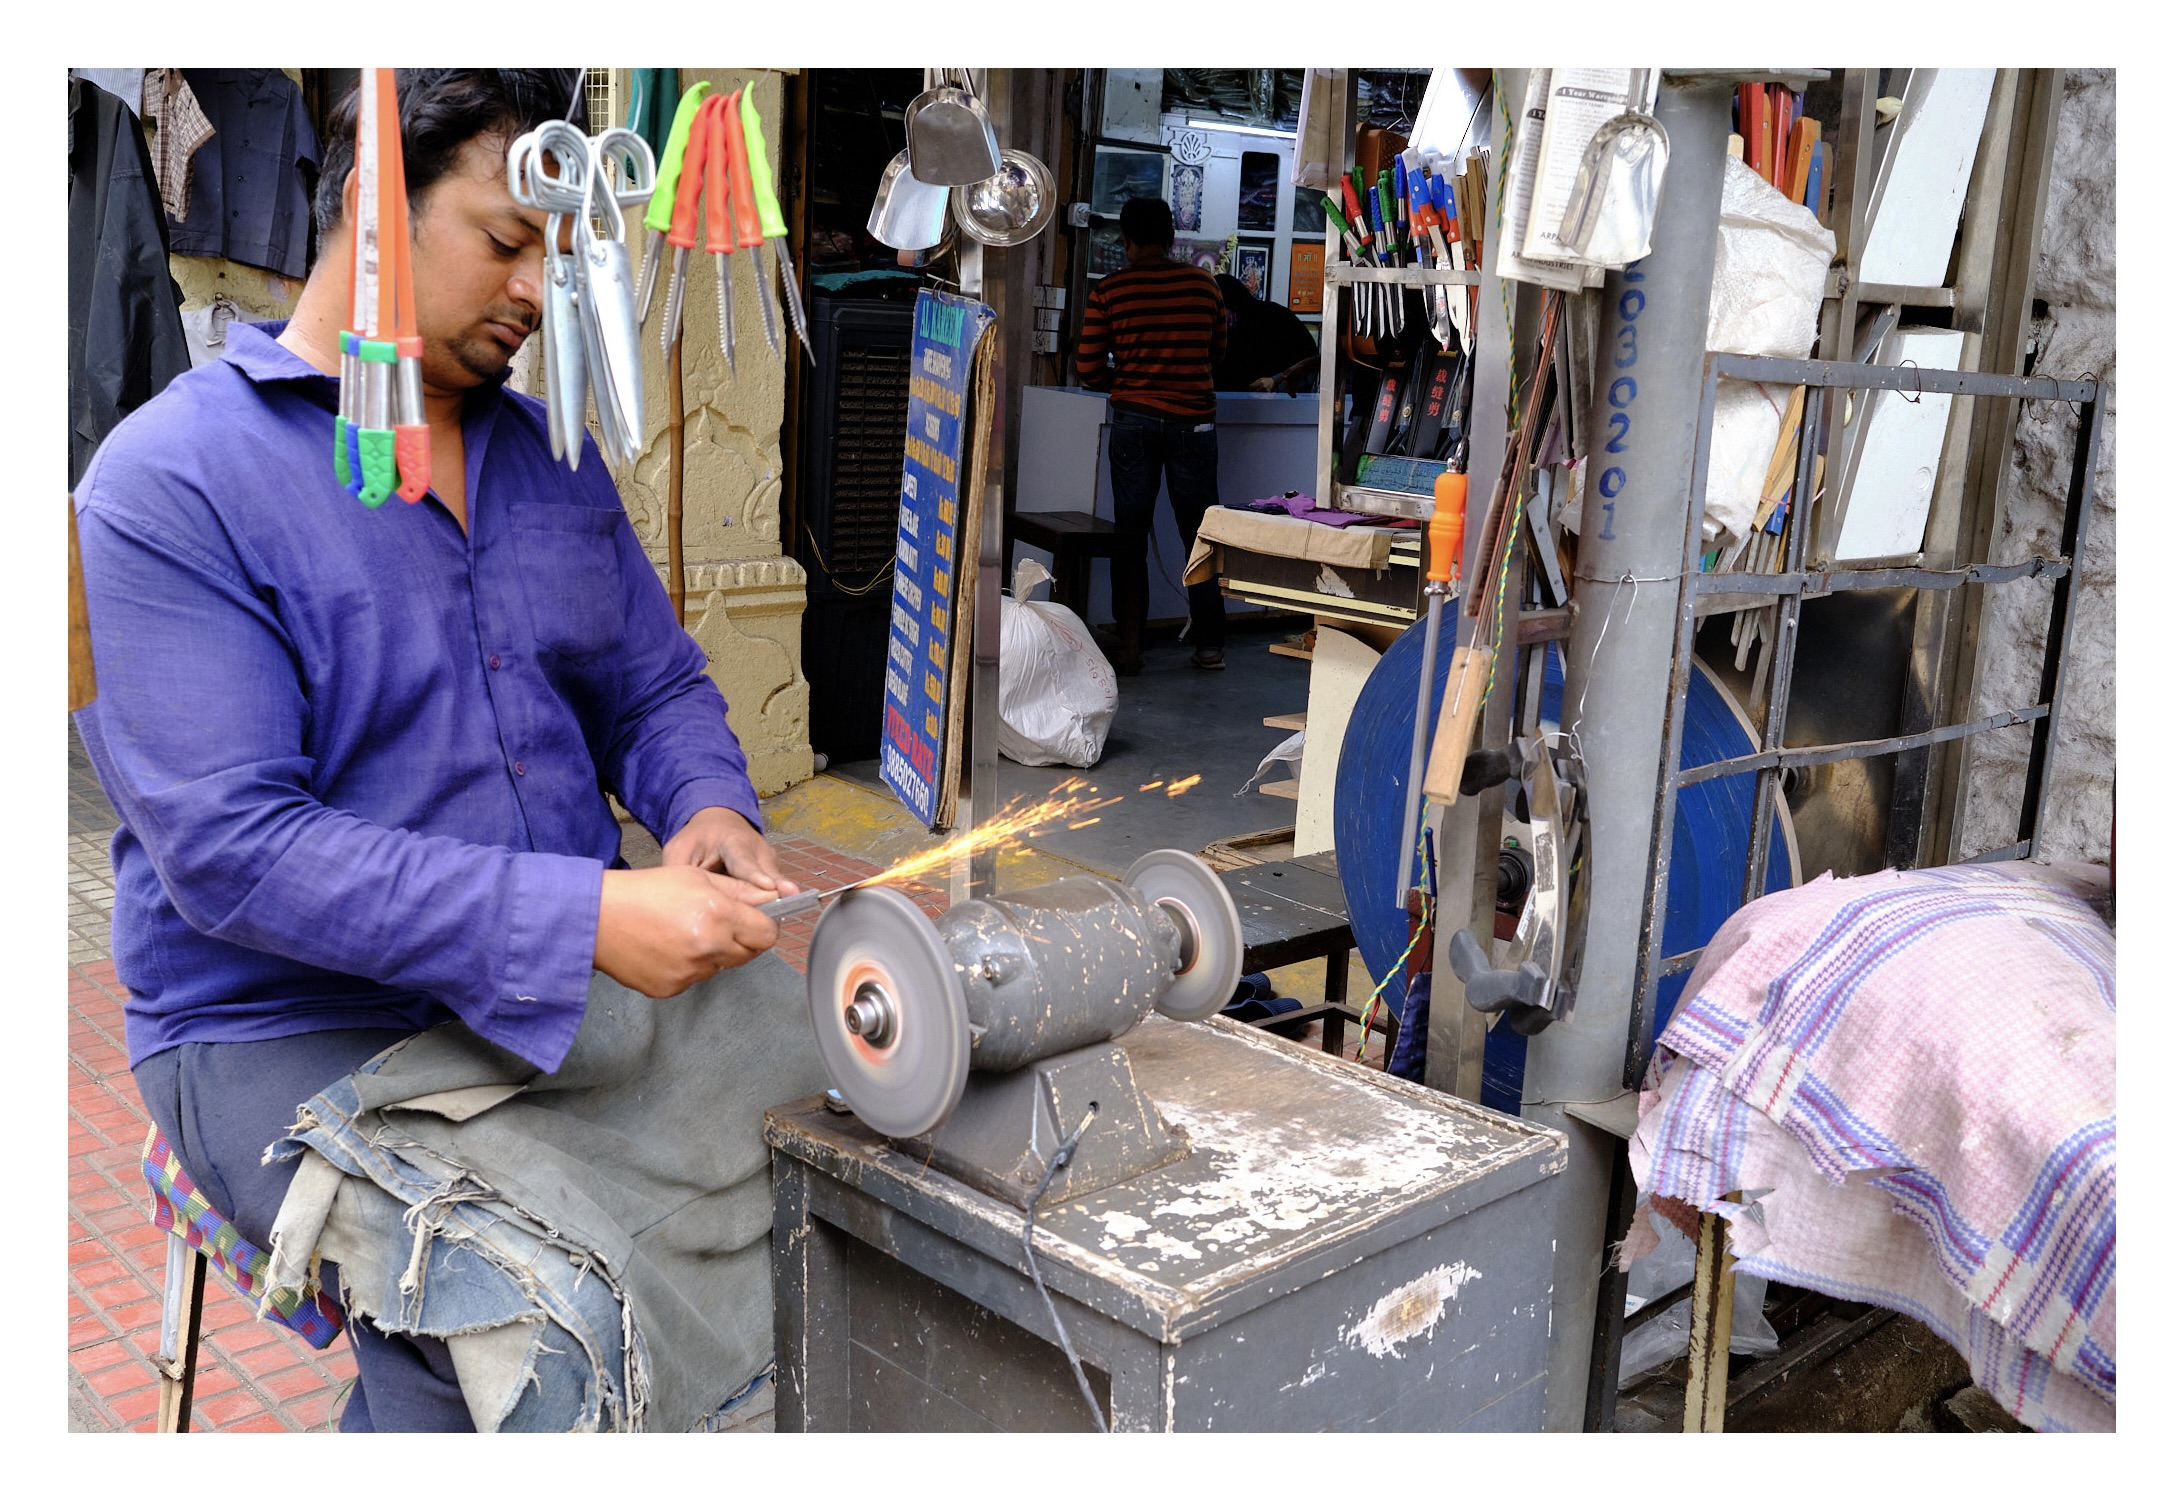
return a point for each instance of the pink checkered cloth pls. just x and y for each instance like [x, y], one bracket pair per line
[1910, 1077]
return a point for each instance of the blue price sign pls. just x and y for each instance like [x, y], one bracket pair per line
[916, 721]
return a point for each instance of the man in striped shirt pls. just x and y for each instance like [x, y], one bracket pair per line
[1152, 334]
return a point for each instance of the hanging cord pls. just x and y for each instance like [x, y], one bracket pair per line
[854, 591]
[1059, 1161]
[1428, 890]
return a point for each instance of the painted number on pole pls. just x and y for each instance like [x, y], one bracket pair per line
[1622, 394]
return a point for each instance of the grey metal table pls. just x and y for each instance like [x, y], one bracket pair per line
[1339, 1251]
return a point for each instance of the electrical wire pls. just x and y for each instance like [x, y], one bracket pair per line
[1419, 930]
[819, 558]
[1060, 1160]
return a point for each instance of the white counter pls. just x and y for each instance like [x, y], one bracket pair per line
[1267, 442]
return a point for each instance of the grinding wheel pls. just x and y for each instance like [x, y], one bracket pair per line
[1213, 937]
[894, 1030]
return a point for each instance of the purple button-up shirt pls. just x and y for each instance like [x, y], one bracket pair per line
[361, 757]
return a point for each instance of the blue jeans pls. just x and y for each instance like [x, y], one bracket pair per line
[1139, 449]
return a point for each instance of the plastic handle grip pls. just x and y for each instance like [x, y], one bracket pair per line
[353, 435]
[1350, 200]
[376, 447]
[341, 451]
[720, 229]
[1445, 532]
[413, 457]
[682, 230]
[754, 137]
[739, 174]
[660, 212]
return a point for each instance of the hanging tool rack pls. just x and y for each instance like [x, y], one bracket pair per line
[1344, 282]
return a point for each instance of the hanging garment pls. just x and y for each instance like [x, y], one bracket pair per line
[181, 129]
[125, 84]
[124, 325]
[250, 195]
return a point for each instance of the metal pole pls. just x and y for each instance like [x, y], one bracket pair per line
[1629, 557]
[982, 273]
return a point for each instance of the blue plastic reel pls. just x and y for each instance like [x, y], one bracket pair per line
[1706, 864]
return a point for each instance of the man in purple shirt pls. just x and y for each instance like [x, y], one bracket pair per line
[361, 757]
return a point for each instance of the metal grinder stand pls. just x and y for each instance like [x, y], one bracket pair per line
[1250, 1235]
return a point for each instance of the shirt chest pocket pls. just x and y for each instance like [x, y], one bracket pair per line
[571, 576]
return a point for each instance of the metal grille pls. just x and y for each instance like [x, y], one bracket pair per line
[1797, 581]
[601, 100]
[873, 394]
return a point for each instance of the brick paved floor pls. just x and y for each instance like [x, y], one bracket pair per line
[251, 1376]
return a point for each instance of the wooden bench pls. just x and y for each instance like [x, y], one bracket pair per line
[1075, 538]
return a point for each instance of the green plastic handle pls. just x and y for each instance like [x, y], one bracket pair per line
[341, 450]
[375, 445]
[754, 140]
[660, 212]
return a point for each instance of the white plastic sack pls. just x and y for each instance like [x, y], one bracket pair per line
[1770, 270]
[1286, 758]
[1057, 692]
[1670, 1266]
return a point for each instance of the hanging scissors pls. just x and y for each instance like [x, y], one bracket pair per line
[545, 171]
[620, 175]
[590, 323]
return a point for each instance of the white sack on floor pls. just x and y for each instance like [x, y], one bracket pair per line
[1057, 691]
[1770, 269]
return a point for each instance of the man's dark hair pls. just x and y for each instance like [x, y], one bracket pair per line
[1148, 222]
[442, 110]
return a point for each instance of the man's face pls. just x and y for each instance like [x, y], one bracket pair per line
[477, 260]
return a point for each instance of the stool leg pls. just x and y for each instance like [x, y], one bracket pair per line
[1338, 990]
[179, 1317]
[1713, 1292]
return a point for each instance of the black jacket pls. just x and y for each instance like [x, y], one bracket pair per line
[124, 310]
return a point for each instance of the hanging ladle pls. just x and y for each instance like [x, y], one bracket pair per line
[951, 138]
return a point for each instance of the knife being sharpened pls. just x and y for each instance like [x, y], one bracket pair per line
[782, 908]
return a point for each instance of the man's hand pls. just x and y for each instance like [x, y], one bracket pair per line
[664, 929]
[722, 839]
[1267, 383]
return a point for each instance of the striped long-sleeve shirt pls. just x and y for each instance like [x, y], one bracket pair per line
[1166, 327]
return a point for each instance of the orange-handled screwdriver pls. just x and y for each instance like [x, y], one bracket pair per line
[682, 226]
[749, 234]
[1444, 556]
[1445, 532]
[720, 225]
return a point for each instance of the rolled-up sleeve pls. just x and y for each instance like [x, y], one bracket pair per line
[200, 726]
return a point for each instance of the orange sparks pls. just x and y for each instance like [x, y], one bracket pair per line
[1179, 788]
[1149, 786]
[1018, 820]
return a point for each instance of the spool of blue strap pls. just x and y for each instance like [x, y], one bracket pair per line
[1706, 862]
